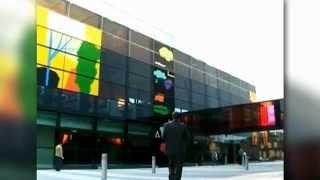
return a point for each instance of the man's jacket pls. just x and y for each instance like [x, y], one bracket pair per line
[176, 137]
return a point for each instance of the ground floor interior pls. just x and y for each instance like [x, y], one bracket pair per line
[134, 143]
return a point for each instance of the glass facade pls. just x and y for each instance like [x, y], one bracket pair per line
[102, 84]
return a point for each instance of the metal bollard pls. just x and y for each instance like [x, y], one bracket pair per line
[104, 166]
[153, 164]
[225, 159]
[247, 163]
[243, 160]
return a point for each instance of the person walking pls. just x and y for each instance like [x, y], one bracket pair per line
[176, 137]
[58, 157]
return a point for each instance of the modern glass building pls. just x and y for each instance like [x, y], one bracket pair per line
[103, 87]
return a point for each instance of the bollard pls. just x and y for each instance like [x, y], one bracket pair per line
[104, 166]
[153, 164]
[247, 163]
[225, 159]
[243, 160]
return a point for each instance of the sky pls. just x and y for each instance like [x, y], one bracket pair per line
[241, 37]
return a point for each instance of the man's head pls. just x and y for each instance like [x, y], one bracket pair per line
[174, 116]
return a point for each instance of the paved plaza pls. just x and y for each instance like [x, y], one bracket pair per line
[257, 171]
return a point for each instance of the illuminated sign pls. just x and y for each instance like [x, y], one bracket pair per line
[170, 75]
[121, 102]
[159, 74]
[267, 114]
[159, 97]
[163, 110]
[160, 64]
[166, 54]
[168, 84]
[252, 96]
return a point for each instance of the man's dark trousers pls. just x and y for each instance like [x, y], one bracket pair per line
[175, 167]
[176, 137]
[58, 163]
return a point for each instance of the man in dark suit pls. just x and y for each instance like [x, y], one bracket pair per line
[176, 137]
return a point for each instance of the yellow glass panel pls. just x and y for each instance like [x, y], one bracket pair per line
[42, 16]
[71, 63]
[58, 73]
[93, 35]
[56, 57]
[71, 82]
[58, 60]
[95, 88]
[42, 55]
[42, 34]
[98, 70]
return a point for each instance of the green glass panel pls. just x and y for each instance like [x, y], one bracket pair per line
[46, 118]
[76, 122]
[110, 127]
[45, 136]
[45, 157]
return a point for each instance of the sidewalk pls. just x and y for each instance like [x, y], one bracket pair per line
[257, 171]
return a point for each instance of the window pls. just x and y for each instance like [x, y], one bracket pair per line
[141, 39]
[211, 70]
[225, 96]
[235, 81]
[196, 107]
[182, 104]
[212, 91]
[182, 94]
[197, 64]
[59, 6]
[181, 69]
[234, 90]
[198, 99]
[182, 82]
[49, 78]
[198, 87]
[102, 106]
[211, 81]
[136, 96]
[84, 16]
[141, 54]
[113, 59]
[197, 75]
[223, 85]
[48, 98]
[144, 111]
[139, 82]
[115, 28]
[235, 99]
[115, 111]
[82, 66]
[113, 75]
[77, 122]
[180, 56]
[136, 111]
[112, 91]
[115, 44]
[139, 68]
[212, 102]
[70, 101]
